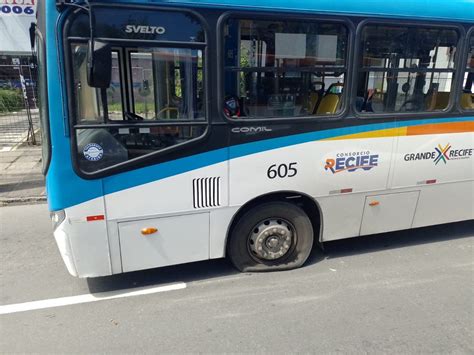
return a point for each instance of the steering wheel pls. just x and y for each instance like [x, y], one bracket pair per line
[168, 109]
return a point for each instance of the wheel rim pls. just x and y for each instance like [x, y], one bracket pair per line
[271, 239]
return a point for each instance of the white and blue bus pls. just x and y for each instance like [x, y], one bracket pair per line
[178, 131]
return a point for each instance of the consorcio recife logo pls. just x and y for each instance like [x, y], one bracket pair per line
[440, 154]
[351, 161]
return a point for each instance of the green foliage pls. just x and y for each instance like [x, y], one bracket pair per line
[11, 100]
[146, 110]
[244, 63]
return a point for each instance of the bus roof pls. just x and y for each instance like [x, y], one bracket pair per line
[444, 10]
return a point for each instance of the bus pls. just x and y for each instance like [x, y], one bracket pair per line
[186, 130]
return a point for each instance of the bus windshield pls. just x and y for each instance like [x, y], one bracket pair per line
[156, 99]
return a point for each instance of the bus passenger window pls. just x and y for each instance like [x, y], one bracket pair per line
[284, 68]
[405, 69]
[467, 95]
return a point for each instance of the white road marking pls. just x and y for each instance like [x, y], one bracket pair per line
[92, 297]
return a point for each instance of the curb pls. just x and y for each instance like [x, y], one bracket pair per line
[22, 200]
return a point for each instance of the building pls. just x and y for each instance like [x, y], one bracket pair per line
[19, 120]
[16, 57]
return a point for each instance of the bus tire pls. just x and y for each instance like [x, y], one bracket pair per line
[270, 237]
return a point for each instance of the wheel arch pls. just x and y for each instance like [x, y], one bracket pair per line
[306, 202]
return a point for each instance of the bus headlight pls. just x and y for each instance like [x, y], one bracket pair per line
[57, 217]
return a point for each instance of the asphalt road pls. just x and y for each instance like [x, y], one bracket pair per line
[404, 292]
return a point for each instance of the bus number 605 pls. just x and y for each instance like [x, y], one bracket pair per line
[282, 170]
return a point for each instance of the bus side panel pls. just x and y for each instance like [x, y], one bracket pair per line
[433, 158]
[342, 216]
[321, 168]
[443, 165]
[193, 191]
[220, 220]
[445, 203]
[175, 240]
[114, 247]
[185, 201]
[332, 171]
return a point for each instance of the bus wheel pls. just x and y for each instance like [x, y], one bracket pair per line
[273, 236]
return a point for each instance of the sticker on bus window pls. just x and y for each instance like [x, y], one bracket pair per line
[93, 152]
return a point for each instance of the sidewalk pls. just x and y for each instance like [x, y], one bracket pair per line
[21, 179]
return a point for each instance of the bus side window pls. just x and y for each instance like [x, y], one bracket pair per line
[405, 69]
[281, 68]
[467, 95]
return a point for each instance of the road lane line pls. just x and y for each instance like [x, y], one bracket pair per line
[91, 297]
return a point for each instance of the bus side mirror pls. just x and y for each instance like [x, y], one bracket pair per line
[99, 64]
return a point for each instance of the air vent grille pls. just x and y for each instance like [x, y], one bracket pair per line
[206, 192]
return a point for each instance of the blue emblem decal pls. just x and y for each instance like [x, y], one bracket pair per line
[93, 152]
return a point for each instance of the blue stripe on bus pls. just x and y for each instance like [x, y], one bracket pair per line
[78, 190]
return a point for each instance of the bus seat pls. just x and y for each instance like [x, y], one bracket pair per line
[328, 104]
[437, 101]
[467, 101]
[335, 88]
[315, 96]
[313, 102]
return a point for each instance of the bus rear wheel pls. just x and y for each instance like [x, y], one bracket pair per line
[270, 237]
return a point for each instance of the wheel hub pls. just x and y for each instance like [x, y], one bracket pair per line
[271, 239]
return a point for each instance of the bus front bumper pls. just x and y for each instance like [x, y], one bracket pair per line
[64, 246]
